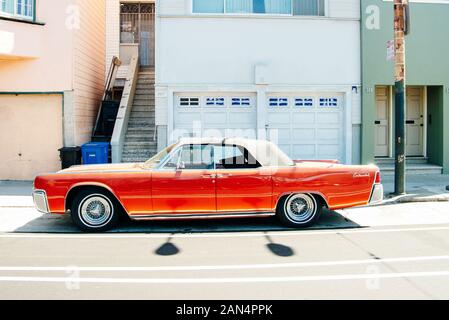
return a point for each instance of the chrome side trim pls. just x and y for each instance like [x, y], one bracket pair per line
[182, 216]
[40, 201]
[377, 195]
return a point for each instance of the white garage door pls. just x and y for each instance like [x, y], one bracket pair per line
[218, 115]
[308, 126]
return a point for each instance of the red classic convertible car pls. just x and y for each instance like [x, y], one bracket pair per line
[207, 178]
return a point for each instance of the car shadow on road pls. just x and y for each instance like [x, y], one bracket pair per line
[63, 224]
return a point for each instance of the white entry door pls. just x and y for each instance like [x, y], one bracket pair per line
[414, 122]
[215, 115]
[382, 122]
[307, 125]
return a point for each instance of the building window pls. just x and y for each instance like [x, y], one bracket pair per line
[308, 8]
[282, 7]
[208, 6]
[17, 8]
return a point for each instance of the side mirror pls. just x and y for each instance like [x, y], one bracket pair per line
[181, 165]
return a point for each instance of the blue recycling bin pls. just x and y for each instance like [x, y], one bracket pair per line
[95, 152]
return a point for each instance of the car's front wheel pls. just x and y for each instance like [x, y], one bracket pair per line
[94, 210]
[299, 210]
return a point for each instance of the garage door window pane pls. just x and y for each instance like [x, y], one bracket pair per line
[240, 102]
[329, 102]
[304, 102]
[278, 102]
[215, 102]
[208, 6]
[189, 102]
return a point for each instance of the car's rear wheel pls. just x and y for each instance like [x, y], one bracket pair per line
[299, 210]
[94, 210]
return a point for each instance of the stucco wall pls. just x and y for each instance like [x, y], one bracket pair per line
[42, 53]
[30, 135]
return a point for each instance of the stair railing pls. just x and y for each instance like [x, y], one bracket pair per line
[109, 85]
[121, 123]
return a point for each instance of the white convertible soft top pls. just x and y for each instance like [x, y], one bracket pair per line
[266, 152]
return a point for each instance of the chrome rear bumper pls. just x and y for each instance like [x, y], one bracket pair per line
[40, 201]
[377, 195]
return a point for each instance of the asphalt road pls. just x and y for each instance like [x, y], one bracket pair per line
[387, 252]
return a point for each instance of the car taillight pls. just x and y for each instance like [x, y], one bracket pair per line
[377, 180]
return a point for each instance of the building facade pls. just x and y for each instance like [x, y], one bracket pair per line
[287, 70]
[51, 80]
[427, 81]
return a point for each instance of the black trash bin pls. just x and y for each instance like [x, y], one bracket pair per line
[70, 156]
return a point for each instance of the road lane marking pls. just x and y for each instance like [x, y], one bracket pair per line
[224, 234]
[443, 273]
[229, 267]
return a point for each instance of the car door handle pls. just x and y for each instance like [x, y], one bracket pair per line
[224, 175]
[410, 122]
[208, 176]
[377, 122]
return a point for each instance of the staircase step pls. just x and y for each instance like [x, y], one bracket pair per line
[139, 153]
[140, 144]
[141, 114]
[134, 132]
[146, 77]
[390, 161]
[130, 137]
[144, 101]
[144, 154]
[144, 92]
[414, 169]
[143, 108]
[145, 82]
[139, 124]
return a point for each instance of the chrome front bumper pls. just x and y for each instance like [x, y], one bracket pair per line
[40, 201]
[377, 195]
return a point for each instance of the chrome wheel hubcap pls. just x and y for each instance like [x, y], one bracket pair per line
[96, 210]
[300, 208]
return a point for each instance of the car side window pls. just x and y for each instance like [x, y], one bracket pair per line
[234, 157]
[192, 157]
[172, 163]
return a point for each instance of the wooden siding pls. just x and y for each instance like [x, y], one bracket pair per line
[89, 66]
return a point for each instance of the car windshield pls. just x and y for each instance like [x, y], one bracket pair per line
[154, 161]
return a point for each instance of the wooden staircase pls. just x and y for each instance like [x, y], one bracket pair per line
[140, 140]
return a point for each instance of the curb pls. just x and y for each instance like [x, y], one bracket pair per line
[416, 198]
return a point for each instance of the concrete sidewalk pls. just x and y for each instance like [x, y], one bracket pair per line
[16, 194]
[420, 188]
